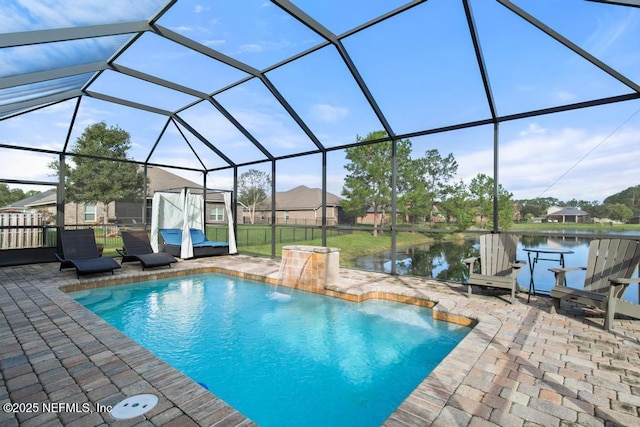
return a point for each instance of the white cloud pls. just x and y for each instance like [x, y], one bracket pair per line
[533, 129]
[182, 29]
[328, 113]
[27, 166]
[566, 163]
[217, 42]
[250, 48]
[565, 97]
[608, 32]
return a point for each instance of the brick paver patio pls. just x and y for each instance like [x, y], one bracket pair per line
[519, 366]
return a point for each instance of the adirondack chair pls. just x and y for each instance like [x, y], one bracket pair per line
[498, 265]
[610, 265]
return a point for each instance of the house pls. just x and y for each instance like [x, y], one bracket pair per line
[31, 203]
[117, 212]
[370, 216]
[567, 214]
[300, 205]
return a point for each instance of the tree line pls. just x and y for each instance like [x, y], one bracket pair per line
[425, 187]
[621, 206]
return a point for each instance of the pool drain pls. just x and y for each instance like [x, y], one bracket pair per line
[134, 406]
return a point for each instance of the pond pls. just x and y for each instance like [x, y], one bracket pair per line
[443, 260]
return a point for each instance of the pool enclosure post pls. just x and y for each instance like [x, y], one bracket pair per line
[204, 201]
[60, 197]
[394, 191]
[496, 226]
[324, 198]
[234, 201]
[273, 209]
[144, 196]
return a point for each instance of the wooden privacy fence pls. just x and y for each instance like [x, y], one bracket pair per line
[21, 230]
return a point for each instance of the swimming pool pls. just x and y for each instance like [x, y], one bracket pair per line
[289, 358]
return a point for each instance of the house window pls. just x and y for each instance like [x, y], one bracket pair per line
[89, 213]
[286, 215]
[216, 214]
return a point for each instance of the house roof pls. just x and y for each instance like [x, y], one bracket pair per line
[301, 198]
[569, 211]
[43, 198]
[161, 179]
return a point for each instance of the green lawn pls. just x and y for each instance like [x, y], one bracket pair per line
[352, 245]
[256, 240]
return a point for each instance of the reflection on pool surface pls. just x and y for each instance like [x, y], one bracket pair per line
[303, 360]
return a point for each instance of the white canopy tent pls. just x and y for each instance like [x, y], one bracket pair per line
[184, 210]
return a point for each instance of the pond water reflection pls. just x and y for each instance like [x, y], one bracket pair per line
[443, 260]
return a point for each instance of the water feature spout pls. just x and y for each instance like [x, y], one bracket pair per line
[275, 295]
[308, 267]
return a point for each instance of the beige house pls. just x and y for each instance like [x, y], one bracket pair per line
[300, 206]
[567, 214]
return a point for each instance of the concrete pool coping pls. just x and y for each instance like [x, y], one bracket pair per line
[518, 365]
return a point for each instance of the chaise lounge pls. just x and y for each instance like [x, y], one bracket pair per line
[137, 248]
[79, 251]
[201, 245]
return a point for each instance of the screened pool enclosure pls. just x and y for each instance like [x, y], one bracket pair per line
[525, 92]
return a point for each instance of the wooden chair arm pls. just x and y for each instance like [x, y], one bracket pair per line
[623, 281]
[518, 264]
[560, 272]
[618, 286]
[566, 269]
[470, 260]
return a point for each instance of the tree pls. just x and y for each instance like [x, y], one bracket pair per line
[253, 189]
[456, 206]
[620, 212]
[369, 181]
[629, 197]
[8, 196]
[481, 189]
[582, 204]
[91, 180]
[413, 195]
[537, 207]
[440, 170]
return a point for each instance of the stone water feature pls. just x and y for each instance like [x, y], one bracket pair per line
[309, 267]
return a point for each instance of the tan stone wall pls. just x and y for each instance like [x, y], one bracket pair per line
[309, 267]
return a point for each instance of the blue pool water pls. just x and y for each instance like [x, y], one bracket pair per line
[289, 358]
